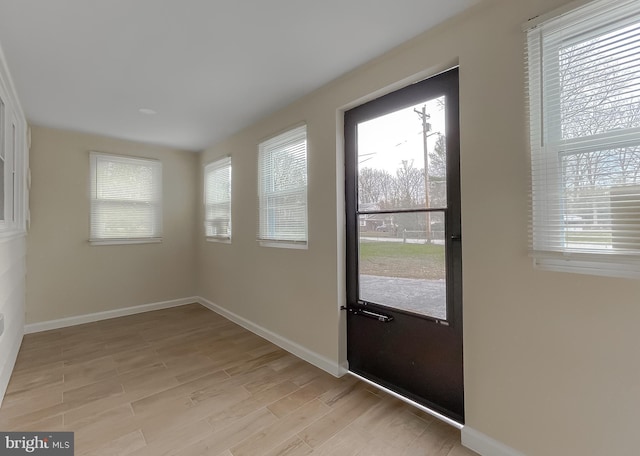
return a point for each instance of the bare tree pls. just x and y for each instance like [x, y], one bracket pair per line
[438, 159]
[597, 96]
[374, 186]
[599, 93]
[438, 173]
[288, 169]
[409, 188]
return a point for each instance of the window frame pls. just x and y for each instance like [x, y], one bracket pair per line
[156, 203]
[211, 167]
[7, 191]
[548, 147]
[266, 236]
[14, 149]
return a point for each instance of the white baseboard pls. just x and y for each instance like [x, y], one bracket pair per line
[9, 364]
[485, 445]
[89, 318]
[292, 347]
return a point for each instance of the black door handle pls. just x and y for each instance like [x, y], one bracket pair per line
[375, 315]
[456, 237]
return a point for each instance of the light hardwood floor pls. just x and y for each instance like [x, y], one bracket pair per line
[185, 381]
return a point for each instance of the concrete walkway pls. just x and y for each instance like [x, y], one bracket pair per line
[426, 297]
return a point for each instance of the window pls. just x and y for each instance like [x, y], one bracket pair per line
[217, 200]
[8, 150]
[14, 159]
[9, 155]
[584, 113]
[126, 199]
[282, 188]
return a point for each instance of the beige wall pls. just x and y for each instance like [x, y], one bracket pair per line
[550, 358]
[68, 277]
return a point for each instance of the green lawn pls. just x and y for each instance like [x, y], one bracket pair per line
[395, 259]
[398, 249]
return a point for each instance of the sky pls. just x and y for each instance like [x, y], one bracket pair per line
[384, 142]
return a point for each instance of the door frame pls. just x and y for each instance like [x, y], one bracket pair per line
[399, 99]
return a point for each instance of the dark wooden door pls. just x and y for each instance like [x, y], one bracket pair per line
[404, 246]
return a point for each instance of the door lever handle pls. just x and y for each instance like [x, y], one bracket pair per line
[456, 237]
[375, 315]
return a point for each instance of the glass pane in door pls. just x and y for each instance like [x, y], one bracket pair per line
[392, 152]
[402, 167]
[401, 264]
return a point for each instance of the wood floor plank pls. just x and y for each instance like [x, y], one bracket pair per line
[290, 447]
[250, 404]
[35, 359]
[437, 440]
[174, 440]
[92, 371]
[339, 416]
[301, 396]
[98, 429]
[224, 438]
[396, 434]
[347, 442]
[103, 419]
[187, 382]
[147, 380]
[93, 392]
[131, 360]
[179, 392]
[122, 445]
[48, 423]
[30, 401]
[24, 382]
[154, 427]
[281, 430]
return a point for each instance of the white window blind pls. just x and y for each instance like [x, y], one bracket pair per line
[583, 85]
[217, 199]
[282, 187]
[126, 199]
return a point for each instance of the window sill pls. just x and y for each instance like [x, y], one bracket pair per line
[124, 241]
[284, 245]
[218, 240]
[593, 268]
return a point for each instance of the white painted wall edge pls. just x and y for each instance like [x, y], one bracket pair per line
[106, 315]
[7, 369]
[304, 353]
[485, 445]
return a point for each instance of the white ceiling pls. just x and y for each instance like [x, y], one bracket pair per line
[208, 67]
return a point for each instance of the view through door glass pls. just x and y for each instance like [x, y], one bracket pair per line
[402, 202]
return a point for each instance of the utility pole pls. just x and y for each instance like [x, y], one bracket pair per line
[426, 128]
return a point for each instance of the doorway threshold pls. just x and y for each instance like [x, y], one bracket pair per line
[413, 403]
